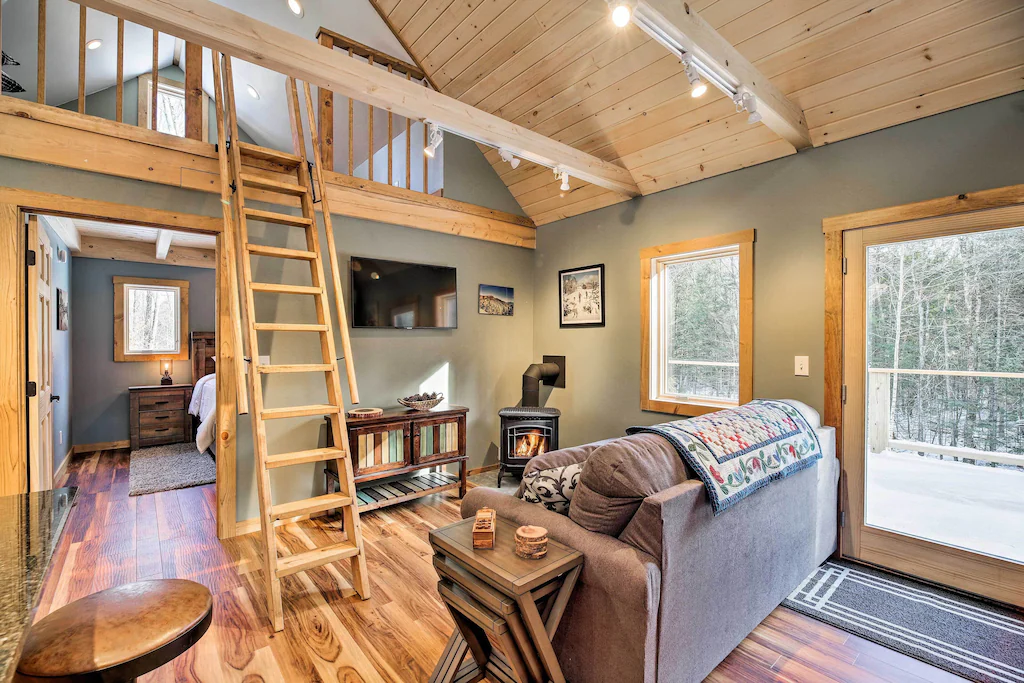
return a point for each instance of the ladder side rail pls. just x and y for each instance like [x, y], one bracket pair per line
[229, 243]
[332, 251]
[273, 584]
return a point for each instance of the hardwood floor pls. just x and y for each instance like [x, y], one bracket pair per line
[330, 635]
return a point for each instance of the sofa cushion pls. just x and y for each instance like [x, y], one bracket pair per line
[553, 488]
[618, 476]
[559, 458]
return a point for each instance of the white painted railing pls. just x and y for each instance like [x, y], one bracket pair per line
[880, 437]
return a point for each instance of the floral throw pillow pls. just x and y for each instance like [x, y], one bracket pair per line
[552, 488]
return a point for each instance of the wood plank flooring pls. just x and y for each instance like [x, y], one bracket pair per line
[330, 635]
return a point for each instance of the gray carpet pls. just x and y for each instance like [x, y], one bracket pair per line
[968, 637]
[163, 468]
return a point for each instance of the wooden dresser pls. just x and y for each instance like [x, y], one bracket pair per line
[159, 414]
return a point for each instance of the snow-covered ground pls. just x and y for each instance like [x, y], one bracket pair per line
[953, 503]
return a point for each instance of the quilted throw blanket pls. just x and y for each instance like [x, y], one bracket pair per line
[737, 451]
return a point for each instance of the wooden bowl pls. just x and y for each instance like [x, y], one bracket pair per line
[422, 405]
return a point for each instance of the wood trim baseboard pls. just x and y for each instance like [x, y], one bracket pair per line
[481, 470]
[79, 449]
[62, 470]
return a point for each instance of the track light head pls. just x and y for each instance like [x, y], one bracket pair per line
[747, 101]
[622, 11]
[697, 86]
[563, 175]
[698, 89]
[755, 117]
[509, 158]
[435, 136]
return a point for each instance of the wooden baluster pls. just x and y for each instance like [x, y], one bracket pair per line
[41, 55]
[81, 59]
[370, 119]
[156, 79]
[426, 162]
[351, 132]
[391, 133]
[194, 120]
[408, 146]
[119, 87]
[326, 115]
[1, 27]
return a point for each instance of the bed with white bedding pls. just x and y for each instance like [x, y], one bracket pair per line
[204, 394]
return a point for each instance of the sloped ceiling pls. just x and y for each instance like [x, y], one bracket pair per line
[561, 68]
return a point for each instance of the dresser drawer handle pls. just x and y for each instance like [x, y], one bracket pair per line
[160, 403]
[164, 429]
[161, 417]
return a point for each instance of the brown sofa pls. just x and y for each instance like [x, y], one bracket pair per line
[667, 588]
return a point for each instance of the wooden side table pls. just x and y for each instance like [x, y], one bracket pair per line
[518, 602]
[159, 414]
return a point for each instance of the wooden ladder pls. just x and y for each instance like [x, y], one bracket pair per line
[302, 180]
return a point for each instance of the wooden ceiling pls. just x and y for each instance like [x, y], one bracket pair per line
[560, 68]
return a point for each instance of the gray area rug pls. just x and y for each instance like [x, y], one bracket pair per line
[968, 637]
[163, 468]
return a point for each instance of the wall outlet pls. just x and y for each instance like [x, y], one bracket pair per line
[802, 366]
[264, 360]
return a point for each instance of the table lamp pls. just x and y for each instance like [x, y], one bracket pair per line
[166, 366]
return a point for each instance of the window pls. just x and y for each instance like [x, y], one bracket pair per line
[150, 319]
[170, 106]
[698, 299]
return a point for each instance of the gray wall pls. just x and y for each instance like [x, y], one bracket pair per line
[974, 148]
[99, 402]
[469, 177]
[61, 346]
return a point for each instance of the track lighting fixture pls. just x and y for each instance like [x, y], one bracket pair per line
[747, 101]
[435, 137]
[622, 11]
[562, 174]
[697, 86]
[509, 158]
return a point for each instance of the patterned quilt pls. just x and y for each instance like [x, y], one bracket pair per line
[739, 450]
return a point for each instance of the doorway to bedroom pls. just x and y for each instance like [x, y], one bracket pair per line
[934, 371]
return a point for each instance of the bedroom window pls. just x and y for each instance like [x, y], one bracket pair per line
[150, 319]
[170, 106]
[697, 299]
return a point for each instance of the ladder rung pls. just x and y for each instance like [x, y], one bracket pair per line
[302, 457]
[271, 185]
[315, 558]
[280, 252]
[271, 369]
[279, 218]
[289, 327]
[299, 411]
[284, 289]
[266, 154]
[309, 506]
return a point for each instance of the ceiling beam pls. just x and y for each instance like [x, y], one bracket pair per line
[65, 229]
[163, 243]
[238, 35]
[697, 36]
[142, 252]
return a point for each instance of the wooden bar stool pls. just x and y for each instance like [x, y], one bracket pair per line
[118, 634]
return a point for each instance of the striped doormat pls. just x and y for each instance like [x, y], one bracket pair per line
[968, 637]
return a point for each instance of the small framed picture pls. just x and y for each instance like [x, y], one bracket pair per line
[581, 295]
[62, 309]
[496, 300]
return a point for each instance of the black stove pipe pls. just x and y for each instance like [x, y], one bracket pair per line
[531, 382]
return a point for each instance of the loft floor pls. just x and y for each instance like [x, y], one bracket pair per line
[329, 634]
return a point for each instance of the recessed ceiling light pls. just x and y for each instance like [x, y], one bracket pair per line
[94, 44]
[296, 7]
[253, 92]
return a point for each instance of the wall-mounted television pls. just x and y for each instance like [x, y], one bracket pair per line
[402, 295]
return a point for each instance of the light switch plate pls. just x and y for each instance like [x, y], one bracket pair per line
[802, 366]
[264, 360]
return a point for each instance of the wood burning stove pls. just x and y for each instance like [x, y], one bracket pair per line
[526, 433]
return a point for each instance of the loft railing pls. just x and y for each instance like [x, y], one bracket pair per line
[883, 432]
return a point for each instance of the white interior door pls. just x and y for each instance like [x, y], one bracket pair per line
[41, 326]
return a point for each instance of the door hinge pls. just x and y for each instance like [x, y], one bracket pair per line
[30, 257]
[845, 263]
[30, 389]
[844, 393]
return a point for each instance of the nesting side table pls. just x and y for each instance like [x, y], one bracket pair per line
[518, 602]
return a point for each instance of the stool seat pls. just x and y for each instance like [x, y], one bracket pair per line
[117, 634]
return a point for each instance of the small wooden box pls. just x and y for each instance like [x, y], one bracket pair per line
[483, 529]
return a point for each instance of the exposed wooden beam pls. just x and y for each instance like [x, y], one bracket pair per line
[65, 229]
[697, 36]
[195, 121]
[163, 244]
[233, 33]
[142, 252]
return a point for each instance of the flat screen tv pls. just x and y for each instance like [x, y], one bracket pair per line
[402, 295]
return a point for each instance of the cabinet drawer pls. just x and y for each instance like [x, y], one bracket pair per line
[170, 433]
[162, 418]
[171, 400]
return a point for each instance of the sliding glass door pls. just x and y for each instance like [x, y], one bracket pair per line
[934, 413]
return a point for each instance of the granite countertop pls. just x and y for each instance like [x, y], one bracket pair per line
[30, 526]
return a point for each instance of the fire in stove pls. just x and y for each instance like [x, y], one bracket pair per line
[531, 444]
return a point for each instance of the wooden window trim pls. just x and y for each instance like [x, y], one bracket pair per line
[145, 100]
[119, 320]
[744, 242]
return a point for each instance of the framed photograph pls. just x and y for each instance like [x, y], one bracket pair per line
[581, 296]
[62, 309]
[496, 300]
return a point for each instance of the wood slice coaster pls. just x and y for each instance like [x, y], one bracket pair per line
[365, 412]
[531, 542]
